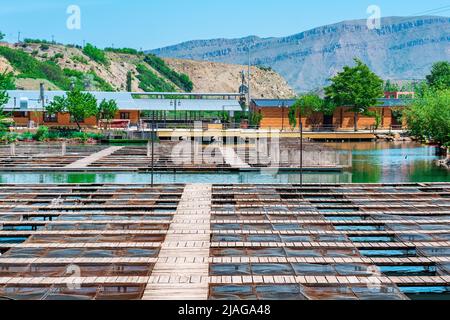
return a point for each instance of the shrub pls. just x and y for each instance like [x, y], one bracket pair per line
[264, 68]
[54, 135]
[36, 41]
[26, 136]
[122, 50]
[79, 59]
[79, 77]
[42, 133]
[96, 136]
[181, 80]
[151, 82]
[9, 137]
[57, 56]
[83, 136]
[95, 54]
[429, 117]
[30, 67]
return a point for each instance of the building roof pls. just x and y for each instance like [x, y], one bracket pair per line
[278, 103]
[273, 103]
[29, 100]
[394, 102]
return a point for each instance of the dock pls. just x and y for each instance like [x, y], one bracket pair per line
[170, 156]
[282, 241]
[253, 134]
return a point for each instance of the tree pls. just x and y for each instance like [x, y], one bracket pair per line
[305, 106]
[4, 98]
[355, 87]
[2, 36]
[129, 81]
[7, 81]
[428, 117]
[391, 87]
[95, 54]
[439, 78]
[79, 105]
[107, 111]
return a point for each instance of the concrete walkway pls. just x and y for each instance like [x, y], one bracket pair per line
[181, 272]
[86, 162]
[231, 158]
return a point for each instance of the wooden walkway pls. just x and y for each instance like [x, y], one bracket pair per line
[182, 272]
[232, 159]
[86, 162]
[133, 241]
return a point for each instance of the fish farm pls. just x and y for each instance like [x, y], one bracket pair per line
[224, 241]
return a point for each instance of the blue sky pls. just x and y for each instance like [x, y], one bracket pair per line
[151, 24]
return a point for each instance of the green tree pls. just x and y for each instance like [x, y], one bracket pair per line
[7, 81]
[391, 87]
[356, 87]
[2, 36]
[439, 78]
[4, 98]
[95, 54]
[107, 111]
[79, 105]
[304, 107]
[129, 81]
[428, 117]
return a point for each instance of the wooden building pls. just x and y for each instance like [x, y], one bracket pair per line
[27, 108]
[275, 114]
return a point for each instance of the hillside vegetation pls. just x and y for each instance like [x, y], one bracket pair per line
[119, 69]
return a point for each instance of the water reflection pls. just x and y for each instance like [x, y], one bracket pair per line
[373, 162]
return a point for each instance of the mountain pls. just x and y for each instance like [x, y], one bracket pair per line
[404, 48]
[58, 65]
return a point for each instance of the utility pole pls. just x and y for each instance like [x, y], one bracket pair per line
[249, 78]
[301, 154]
[153, 145]
[42, 94]
[18, 37]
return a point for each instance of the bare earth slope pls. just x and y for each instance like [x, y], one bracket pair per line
[206, 76]
[221, 77]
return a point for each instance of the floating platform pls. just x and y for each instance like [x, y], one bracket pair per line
[171, 156]
[134, 241]
[253, 134]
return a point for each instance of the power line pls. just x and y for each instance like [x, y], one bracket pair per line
[428, 11]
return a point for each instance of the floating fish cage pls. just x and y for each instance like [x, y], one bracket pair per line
[302, 242]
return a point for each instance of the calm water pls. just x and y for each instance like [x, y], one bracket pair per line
[376, 162]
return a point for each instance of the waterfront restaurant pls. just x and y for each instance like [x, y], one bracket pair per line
[275, 114]
[27, 108]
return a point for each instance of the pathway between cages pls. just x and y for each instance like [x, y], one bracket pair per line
[181, 272]
[86, 162]
[231, 158]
